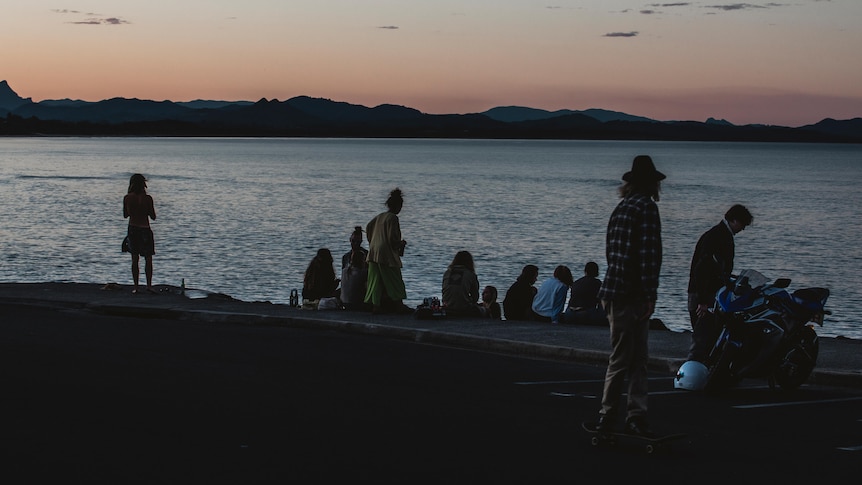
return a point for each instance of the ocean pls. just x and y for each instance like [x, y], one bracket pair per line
[244, 217]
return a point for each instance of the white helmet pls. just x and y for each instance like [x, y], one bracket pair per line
[691, 376]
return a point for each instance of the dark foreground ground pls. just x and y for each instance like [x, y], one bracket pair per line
[103, 387]
[97, 397]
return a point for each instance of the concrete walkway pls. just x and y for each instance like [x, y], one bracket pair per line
[839, 362]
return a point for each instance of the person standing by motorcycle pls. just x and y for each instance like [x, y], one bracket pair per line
[628, 293]
[711, 266]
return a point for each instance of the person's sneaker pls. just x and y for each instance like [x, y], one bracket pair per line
[605, 423]
[637, 425]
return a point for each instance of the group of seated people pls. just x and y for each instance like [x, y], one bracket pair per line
[524, 301]
[460, 289]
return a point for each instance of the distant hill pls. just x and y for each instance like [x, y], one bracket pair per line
[115, 110]
[849, 128]
[304, 116]
[9, 99]
[341, 112]
[512, 114]
[205, 104]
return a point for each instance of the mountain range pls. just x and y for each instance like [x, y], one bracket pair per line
[307, 116]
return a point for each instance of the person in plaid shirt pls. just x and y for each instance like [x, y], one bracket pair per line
[628, 293]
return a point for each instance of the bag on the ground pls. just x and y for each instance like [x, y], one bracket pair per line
[330, 303]
[430, 309]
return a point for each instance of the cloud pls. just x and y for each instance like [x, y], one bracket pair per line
[98, 21]
[648, 12]
[744, 6]
[621, 34]
[388, 27]
[92, 18]
[678, 4]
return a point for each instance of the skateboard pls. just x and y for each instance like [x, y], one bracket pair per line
[610, 438]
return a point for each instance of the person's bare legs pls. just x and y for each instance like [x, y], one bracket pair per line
[136, 271]
[148, 268]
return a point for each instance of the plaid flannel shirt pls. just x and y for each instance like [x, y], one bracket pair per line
[633, 250]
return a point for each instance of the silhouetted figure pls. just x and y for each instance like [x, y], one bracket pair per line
[490, 308]
[354, 283]
[386, 289]
[550, 300]
[319, 280]
[584, 306]
[628, 294]
[355, 246]
[711, 267]
[518, 302]
[461, 287]
[139, 209]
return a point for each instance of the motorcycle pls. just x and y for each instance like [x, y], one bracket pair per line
[766, 332]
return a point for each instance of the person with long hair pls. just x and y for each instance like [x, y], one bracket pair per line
[386, 290]
[461, 287]
[138, 208]
[319, 280]
[628, 294]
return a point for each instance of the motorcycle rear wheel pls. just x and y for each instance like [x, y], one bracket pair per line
[798, 363]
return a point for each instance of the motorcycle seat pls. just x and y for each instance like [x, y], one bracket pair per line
[811, 299]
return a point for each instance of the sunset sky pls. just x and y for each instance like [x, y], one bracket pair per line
[784, 62]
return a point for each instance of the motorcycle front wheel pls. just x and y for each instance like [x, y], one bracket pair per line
[797, 364]
[720, 376]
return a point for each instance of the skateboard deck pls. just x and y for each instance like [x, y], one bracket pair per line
[611, 438]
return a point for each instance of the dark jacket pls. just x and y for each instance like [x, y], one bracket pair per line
[585, 293]
[518, 303]
[712, 262]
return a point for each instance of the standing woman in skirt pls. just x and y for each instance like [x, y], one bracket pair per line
[138, 208]
[385, 247]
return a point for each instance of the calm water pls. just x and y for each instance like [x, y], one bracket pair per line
[245, 216]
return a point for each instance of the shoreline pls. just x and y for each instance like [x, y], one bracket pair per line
[839, 361]
[198, 294]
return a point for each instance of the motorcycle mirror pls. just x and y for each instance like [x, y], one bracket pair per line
[782, 283]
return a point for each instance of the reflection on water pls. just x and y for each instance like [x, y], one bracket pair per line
[244, 216]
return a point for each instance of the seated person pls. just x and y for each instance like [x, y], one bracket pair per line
[319, 280]
[584, 306]
[490, 307]
[355, 245]
[518, 303]
[354, 282]
[550, 300]
[461, 287]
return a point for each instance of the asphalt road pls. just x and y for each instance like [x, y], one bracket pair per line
[101, 399]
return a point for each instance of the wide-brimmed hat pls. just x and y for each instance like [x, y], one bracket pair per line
[643, 170]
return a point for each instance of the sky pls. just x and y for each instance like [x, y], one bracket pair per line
[784, 62]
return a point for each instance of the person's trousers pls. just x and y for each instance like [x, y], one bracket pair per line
[628, 359]
[704, 332]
